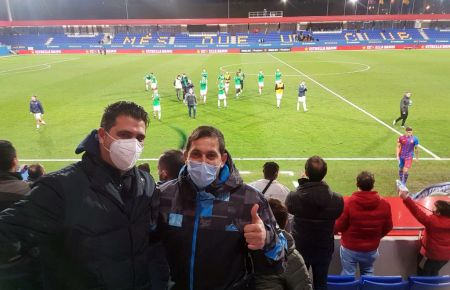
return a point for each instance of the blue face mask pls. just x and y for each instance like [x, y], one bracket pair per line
[202, 174]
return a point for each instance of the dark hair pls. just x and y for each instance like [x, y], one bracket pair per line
[172, 161]
[270, 170]
[35, 171]
[144, 167]
[123, 108]
[7, 155]
[206, 131]
[279, 211]
[442, 207]
[315, 168]
[365, 180]
[408, 129]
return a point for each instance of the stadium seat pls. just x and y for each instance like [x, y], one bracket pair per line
[430, 279]
[429, 286]
[353, 285]
[381, 279]
[340, 278]
[369, 285]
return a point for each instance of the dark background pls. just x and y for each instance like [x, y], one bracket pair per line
[151, 9]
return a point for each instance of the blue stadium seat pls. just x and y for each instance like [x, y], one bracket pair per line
[340, 278]
[430, 279]
[369, 285]
[428, 286]
[353, 285]
[381, 279]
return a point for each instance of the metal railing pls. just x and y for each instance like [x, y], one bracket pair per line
[262, 14]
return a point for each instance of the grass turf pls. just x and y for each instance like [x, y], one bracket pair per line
[74, 89]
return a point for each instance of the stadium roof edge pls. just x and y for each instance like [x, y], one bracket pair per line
[317, 19]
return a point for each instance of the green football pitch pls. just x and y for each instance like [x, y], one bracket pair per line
[352, 99]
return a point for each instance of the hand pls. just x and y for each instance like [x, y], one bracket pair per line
[417, 159]
[255, 233]
[402, 194]
[398, 158]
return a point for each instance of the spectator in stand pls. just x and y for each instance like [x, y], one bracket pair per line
[90, 219]
[435, 248]
[12, 187]
[296, 276]
[366, 219]
[213, 224]
[269, 186]
[34, 172]
[315, 208]
[144, 167]
[170, 164]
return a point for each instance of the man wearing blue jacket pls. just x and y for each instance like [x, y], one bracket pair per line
[217, 230]
[37, 110]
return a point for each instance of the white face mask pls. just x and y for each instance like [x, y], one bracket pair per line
[124, 152]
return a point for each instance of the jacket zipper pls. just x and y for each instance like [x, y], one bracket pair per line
[194, 242]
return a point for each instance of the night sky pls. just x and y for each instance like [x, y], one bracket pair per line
[111, 9]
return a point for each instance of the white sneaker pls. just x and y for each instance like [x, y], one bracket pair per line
[393, 123]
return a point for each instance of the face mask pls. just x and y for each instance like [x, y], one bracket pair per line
[202, 174]
[124, 152]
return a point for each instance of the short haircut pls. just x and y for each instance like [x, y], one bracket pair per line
[35, 171]
[172, 161]
[123, 108]
[144, 167]
[279, 211]
[7, 155]
[206, 131]
[442, 207]
[270, 170]
[408, 129]
[315, 168]
[365, 180]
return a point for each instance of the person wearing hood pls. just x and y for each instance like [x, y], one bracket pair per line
[315, 208]
[217, 231]
[90, 219]
[366, 219]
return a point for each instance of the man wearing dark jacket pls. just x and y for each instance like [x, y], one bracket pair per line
[90, 220]
[315, 208]
[217, 230]
[405, 102]
[12, 187]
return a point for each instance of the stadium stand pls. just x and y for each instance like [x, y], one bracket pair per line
[430, 280]
[352, 285]
[428, 286]
[369, 285]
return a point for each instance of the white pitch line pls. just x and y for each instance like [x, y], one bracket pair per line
[258, 159]
[350, 103]
[38, 67]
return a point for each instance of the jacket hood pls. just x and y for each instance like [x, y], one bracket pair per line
[90, 144]
[319, 193]
[228, 179]
[366, 199]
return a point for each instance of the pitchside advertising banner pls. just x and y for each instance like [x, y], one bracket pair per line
[233, 48]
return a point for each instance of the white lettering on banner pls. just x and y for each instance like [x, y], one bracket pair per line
[320, 48]
[380, 47]
[159, 51]
[47, 51]
[437, 46]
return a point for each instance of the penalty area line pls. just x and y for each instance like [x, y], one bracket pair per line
[350, 103]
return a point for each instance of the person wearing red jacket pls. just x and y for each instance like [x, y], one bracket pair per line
[366, 219]
[435, 248]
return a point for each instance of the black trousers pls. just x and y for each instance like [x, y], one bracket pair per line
[319, 272]
[403, 117]
[428, 267]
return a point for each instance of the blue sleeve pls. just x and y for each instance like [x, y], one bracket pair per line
[416, 141]
[279, 249]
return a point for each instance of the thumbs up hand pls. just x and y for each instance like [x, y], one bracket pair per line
[255, 233]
